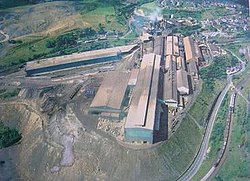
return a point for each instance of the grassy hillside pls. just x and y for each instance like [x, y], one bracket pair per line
[61, 18]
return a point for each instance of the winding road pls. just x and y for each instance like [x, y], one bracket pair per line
[192, 170]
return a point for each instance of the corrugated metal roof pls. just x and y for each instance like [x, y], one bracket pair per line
[193, 66]
[144, 99]
[152, 107]
[175, 46]
[170, 84]
[133, 77]
[75, 57]
[180, 63]
[169, 45]
[189, 48]
[111, 92]
[182, 80]
[158, 45]
[168, 62]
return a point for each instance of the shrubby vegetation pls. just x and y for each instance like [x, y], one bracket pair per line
[4, 94]
[187, 30]
[8, 136]
[217, 71]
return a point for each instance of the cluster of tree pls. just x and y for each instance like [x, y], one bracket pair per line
[187, 30]
[9, 94]
[8, 136]
[216, 71]
[62, 41]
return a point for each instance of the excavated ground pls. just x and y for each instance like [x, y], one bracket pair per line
[59, 143]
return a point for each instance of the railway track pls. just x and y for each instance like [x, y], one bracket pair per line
[225, 147]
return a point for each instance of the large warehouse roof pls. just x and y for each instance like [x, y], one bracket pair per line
[111, 92]
[175, 46]
[170, 84]
[193, 67]
[133, 77]
[143, 105]
[75, 57]
[189, 48]
[169, 45]
[180, 63]
[152, 107]
[182, 81]
[158, 43]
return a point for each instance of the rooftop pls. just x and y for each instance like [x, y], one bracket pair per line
[189, 48]
[133, 77]
[143, 105]
[170, 84]
[111, 92]
[169, 45]
[182, 80]
[193, 66]
[158, 41]
[176, 45]
[75, 57]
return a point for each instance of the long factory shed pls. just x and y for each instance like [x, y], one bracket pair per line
[172, 45]
[76, 60]
[170, 95]
[143, 114]
[182, 82]
[190, 51]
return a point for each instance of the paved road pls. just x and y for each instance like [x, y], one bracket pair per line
[192, 170]
[213, 171]
[6, 37]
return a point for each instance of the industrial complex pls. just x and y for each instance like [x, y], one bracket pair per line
[151, 91]
[166, 76]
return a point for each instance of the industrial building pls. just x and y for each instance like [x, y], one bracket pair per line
[109, 97]
[193, 69]
[172, 45]
[175, 46]
[60, 63]
[181, 63]
[133, 77]
[169, 45]
[158, 44]
[170, 96]
[189, 47]
[182, 82]
[143, 116]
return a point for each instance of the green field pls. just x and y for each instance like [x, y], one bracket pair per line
[148, 8]
[101, 17]
[182, 13]
[104, 15]
[20, 53]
